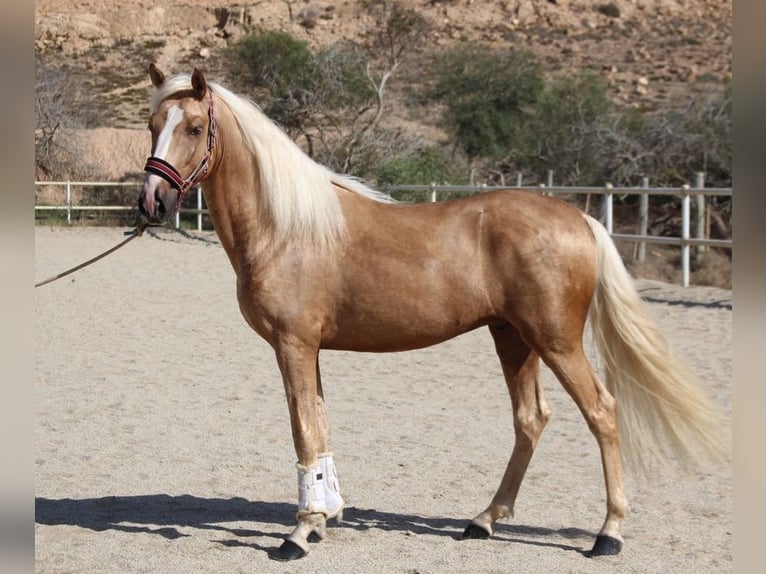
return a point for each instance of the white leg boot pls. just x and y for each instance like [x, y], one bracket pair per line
[333, 500]
[311, 515]
[311, 491]
[318, 499]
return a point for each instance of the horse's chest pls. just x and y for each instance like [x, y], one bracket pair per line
[276, 305]
[256, 303]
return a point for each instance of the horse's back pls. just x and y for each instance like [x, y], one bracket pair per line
[525, 237]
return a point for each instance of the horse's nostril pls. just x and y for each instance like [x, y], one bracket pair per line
[160, 210]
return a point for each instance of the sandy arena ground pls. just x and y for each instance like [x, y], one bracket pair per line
[163, 442]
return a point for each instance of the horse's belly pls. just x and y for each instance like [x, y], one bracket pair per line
[405, 322]
[364, 340]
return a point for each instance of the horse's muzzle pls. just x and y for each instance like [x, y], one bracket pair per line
[157, 200]
[154, 210]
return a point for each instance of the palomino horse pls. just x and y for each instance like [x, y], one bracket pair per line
[324, 262]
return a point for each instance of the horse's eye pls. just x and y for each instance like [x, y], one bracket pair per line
[195, 131]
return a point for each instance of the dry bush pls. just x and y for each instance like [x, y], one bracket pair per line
[663, 263]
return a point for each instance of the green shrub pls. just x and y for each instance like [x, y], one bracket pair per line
[564, 130]
[418, 167]
[274, 60]
[487, 94]
[309, 94]
[611, 9]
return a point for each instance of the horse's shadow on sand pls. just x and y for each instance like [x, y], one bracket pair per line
[163, 515]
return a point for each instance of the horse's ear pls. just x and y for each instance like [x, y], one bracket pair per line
[199, 84]
[156, 75]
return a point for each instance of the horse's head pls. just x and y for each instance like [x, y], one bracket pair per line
[183, 132]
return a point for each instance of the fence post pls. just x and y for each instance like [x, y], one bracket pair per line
[519, 179]
[608, 210]
[68, 201]
[685, 216]
[199, 208]
[643, 220]
[549, 181]
[433, 192]
[699, 217]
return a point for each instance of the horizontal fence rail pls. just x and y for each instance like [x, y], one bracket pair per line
[685, 193]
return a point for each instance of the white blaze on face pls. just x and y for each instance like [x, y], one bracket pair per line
[175, 115]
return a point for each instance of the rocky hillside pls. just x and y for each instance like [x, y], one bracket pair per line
[648, 50]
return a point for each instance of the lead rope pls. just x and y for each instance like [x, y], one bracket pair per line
[137, 232]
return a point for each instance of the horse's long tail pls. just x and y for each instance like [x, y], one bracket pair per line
[663, 410]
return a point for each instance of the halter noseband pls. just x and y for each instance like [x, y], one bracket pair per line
[170, 174]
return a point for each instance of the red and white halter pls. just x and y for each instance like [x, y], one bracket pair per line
[166, 171]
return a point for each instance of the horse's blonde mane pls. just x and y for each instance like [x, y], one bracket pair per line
[298, 192]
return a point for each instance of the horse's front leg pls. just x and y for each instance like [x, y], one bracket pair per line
[318, 493]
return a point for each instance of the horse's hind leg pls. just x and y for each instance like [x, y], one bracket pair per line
[521, 368]
[600, 411]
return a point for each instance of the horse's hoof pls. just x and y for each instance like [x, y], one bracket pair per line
[474, 531]
[605, 546]
[314, 537]
[289, 551]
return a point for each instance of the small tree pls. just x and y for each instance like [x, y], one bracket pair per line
[396, 33]
[59, 104]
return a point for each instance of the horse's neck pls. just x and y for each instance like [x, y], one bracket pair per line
[232, 200]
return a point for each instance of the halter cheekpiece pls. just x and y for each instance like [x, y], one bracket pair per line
[170, 174]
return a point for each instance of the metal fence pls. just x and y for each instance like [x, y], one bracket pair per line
[692, 199]
[69, 206]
